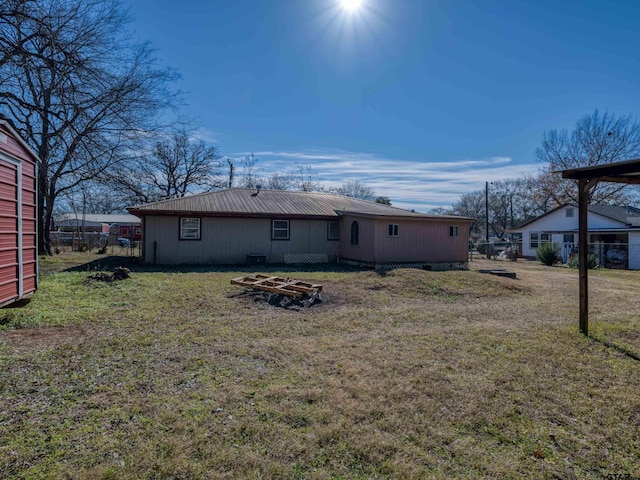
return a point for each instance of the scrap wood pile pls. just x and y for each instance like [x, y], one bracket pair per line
[282, 292]
[119, 273]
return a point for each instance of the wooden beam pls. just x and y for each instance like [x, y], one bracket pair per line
[584, 185]
[615, 171]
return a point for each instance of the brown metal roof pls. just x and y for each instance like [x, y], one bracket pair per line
[618, 172]
[251, 203]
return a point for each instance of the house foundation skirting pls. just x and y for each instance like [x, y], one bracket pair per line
[432, 266]
[306, 258]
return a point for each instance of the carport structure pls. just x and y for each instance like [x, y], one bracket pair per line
[588, 177]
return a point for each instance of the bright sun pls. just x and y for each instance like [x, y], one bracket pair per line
[351, 5]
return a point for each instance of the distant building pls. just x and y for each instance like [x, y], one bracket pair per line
[126, 226]
[614, 233]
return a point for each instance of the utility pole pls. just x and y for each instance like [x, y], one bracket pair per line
[486, 216]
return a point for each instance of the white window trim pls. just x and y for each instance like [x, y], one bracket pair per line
[454, 230]
[280, 229]
[195, 232]
[533, 244]
[395, 230]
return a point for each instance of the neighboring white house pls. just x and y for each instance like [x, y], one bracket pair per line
[614, 234]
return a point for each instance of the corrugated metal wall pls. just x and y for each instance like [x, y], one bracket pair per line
[29, 228]
[9, 268]
[18, 242]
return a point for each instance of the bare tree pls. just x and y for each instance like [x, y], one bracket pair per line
[281, 181]
[77, 89]
[175, 166]
[596, 139]
[249, 178]
[180, 164]
[307, 179]
[471, 205]
[356, 189]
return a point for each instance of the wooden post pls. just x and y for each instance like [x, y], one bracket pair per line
[583, 252]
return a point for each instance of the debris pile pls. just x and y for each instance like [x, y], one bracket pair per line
[119, 273]
[278, 291]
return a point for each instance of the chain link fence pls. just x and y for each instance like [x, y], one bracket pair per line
[601, 254]
[62, 242]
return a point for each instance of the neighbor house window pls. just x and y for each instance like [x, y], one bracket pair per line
[536, 238]
[569, 212]
[280, 230]
[354, 233]
[454, 231]
[189, 229]
[333, 230]
[392, 230]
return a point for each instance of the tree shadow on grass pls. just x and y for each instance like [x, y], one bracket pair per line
[108, 263]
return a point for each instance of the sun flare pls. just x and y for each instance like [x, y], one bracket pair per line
[351, 5]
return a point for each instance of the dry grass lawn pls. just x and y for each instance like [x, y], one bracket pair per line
[412, 374]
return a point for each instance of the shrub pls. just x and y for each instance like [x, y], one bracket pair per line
[574, 261]
[548, 253]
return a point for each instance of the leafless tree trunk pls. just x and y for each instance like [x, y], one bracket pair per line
[77, 89]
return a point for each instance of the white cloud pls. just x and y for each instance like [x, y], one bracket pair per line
[205, 135]
[411, 184]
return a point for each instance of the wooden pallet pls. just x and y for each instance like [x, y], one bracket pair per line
[278, 285]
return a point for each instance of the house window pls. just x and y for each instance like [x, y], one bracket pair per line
[280, 230]
[333, 230]
[569, 212]
[454, 230]
[125, 231]
[536, 238]
[392, 230]
[354, 233]
[189, 228]
[138, 230]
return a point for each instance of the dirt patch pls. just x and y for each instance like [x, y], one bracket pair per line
[29, 339]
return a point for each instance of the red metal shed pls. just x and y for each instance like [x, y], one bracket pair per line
[18, 221]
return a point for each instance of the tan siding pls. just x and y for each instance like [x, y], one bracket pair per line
[230, 240]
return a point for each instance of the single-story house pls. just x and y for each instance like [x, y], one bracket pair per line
[18, 224]
[239, 225]
[124, 225]
[614, 233]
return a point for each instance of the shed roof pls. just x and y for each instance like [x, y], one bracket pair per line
[6, 124]
[252, 203]
[618, 172]
[98, 218]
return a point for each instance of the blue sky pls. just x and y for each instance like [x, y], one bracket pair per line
[421, 99]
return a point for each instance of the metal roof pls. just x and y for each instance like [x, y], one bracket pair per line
[618, 172]
[627, 215]
[98, 218]
[253, 203]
